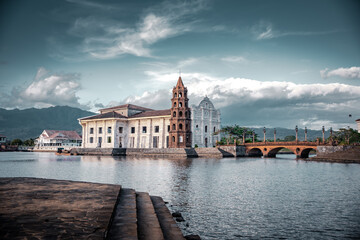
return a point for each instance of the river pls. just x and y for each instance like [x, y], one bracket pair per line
[229, 198]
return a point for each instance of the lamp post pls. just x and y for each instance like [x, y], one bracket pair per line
[253, 135]
[323, 133]
[244, 135]
[274, 134]
[264, 134]
[305, 134]
[296, 130]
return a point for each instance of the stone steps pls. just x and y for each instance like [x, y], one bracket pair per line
[140, 216]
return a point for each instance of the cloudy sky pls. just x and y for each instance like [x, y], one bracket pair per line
[262, 63]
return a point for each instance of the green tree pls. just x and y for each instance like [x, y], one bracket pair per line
[346, 136]
[16, 141]
[234, 132]
[290, 138]
[29, 142]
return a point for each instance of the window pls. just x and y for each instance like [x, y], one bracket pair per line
[187, 138]
[175, 95]
[180, 104]
[197, 126]
[144, 130]
[186, 104]
[91, 130]
[100, 130]
[91, 139]
[174, 114]
[214, 129]
[180, 95]
[180, 114]
[173, 138]
[186, 126]
[156, 129]
[109, 139]
[168, 128]
[180, 126]
[174, 104]
[132, 129]
[181, 139]
[120, 129]
[186, 114]
[205, 128]
[109, 129]
[174, 127]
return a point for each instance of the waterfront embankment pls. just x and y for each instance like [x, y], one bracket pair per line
[33, 208]
[338, 154]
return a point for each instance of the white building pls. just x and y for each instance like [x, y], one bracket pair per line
[358, 124]
[205, 121]
[131, 126]
[2, 139]
[127, 126]
[54, 139]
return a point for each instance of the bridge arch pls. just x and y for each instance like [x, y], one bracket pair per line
[255, 152]
[274, 151]
[305, 152]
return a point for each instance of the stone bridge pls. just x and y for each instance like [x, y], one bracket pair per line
[269, 149]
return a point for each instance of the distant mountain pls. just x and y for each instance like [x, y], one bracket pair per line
[29, 123]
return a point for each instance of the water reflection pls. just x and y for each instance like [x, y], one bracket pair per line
[249, 198]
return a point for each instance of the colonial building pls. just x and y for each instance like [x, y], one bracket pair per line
[54, 139]
[131, 126]
[205, 122]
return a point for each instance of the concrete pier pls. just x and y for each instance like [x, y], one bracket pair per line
[33, 208]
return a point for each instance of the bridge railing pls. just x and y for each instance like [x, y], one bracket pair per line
[294, 143]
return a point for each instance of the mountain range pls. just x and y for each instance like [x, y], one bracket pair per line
[29, 123]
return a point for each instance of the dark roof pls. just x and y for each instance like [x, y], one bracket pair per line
[131, 106]
[152, 113]
[105, 115]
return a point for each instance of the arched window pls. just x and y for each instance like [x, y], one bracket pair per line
[174, 104]
[186, 104]
[174, 114]
[180, 95]
[214, 129]
[173, 138]
[186, 114]
[186, 126]
[180, 126]
[174, 127]
[205, 128]
[174, 95]
[180, 114]
[180, 104]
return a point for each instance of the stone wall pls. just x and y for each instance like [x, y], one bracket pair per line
[324, 150]
[232, 151]
[208, 153]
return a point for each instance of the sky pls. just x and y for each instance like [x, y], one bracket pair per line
[276, 63]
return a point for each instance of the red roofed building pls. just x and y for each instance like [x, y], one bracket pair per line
[54, 139]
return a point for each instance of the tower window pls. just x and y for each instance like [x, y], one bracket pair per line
[174, 127]
[205, 128]
[180, 126]
[214, 129]
[174, 114]
[173, 138]
[186, 114]
[174, 104]
[186, 104]
[175, 95]
[180, 104]
[186, 126]
[181, 139]
[180, 114]
[180, 95]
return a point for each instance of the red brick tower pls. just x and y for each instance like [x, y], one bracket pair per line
[180, 129]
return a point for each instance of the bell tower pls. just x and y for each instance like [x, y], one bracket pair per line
[180, 129]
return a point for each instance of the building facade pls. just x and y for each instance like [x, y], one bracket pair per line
[358, 124]
[132, 126]
[2, 139]
[205, 122]
[54, 139]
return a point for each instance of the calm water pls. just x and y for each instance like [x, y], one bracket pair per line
[232, 198]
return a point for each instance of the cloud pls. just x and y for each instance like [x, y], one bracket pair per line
[251, 102]
[105, 38]
[264, 30]
[352, 72]
[47, 89]
[234, 59]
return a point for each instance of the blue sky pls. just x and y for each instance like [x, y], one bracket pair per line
[262, 63]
